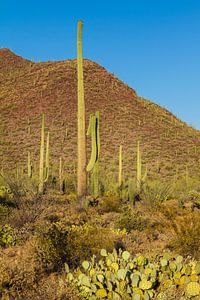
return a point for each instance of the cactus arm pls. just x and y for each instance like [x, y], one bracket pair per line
[98, 133]
[95, 179]
[89, 131]
[93, 165]
[145, 174]
[93, 134]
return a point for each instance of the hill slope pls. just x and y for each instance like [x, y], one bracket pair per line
[27, 89]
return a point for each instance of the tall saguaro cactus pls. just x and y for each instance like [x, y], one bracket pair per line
[41, 169]
[120, 167]
[93, 164]
[81, 168]
[139, 167]
[140, 179]
[47, 159]
[60, 174]
[29, 165]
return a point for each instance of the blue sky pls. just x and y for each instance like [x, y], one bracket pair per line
[153, 45]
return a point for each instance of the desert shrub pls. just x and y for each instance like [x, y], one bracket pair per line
[61, 243]
[52, 248]
[18, 272]
[131, 220]
[193, 195]
[5, 193]
[26, 212]
[53, 287]
[7, 236]
[4, 212]
[22, 186]
[186, 235]
[110, 204]
[155, 193]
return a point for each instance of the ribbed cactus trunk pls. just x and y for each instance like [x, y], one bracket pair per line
[60, 174]
[81, 168]
[93, 164]
[29, 167]
[120, 167]
[139, 168]
[41, 169]
[47, 159]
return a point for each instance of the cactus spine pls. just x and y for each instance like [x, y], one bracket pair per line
[81, 168]
[120, 167]
[93, 165]
[41, 168]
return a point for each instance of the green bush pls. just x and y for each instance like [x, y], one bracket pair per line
[155, 193]
[4, 212]
[5, 193]
[61, 243]
[110, 203]
[186, 235]
[7, 236]
[131, 220]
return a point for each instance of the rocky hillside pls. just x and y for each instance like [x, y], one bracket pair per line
[27, 89]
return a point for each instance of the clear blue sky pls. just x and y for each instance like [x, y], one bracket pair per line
[153, 45]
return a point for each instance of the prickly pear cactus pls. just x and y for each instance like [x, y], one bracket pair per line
[192, 289]
[119, 276]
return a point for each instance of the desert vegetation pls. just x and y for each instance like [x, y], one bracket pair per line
[120, 220]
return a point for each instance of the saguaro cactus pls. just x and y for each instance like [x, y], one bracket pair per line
[47, 159]
[120, 167]
[81, 168]
[139, 178]
[139, 167]
[60, 175]
[29, 126]
[29, 165]
[41, 169]
[93, 165]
